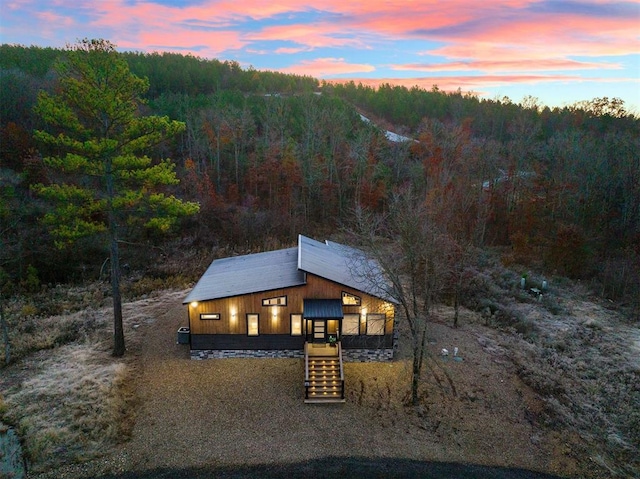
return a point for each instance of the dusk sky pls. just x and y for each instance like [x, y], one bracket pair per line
[555, 50]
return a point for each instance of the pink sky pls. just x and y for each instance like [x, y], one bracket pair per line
[559, 51]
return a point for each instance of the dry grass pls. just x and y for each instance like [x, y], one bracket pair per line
[586, 368]
[72, 407]
[561, 397]
[61, 315]
[579, 356]
[71, 400]
[30, 334]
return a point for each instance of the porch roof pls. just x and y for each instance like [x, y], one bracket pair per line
[322, 309]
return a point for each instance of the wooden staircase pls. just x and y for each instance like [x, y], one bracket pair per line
[324, 378]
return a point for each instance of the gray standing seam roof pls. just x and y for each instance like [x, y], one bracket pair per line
[342, 264]
[246, 274]
[285, 268]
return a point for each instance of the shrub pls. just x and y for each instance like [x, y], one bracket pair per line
[150, 284]
[28, 310]
[512, 319]
[553, 305]
[31, 283]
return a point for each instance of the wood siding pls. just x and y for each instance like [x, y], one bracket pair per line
[276, 320]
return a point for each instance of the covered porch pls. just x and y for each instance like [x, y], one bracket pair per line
[323, 318]
[323, 367]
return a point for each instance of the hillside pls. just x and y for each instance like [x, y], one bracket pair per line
[504, 192]
[267, 157]
[556, 393]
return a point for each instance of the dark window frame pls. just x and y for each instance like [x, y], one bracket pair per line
[257, 315]
[346, 294]
[291, 324]
[265, 301]
[376, 316]
[342, 333]
[215, 316]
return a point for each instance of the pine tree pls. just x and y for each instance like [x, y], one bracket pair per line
[103, 179]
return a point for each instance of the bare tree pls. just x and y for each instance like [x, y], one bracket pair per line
[410, 256]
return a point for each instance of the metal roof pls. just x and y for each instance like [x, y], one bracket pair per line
[246, 274]
[342, 264]
[285, 268]
[322, 309]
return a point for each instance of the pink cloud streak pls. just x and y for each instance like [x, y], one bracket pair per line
[512, 27]
[311, 36]
[507, 65]
[522, 39]
[321, 67]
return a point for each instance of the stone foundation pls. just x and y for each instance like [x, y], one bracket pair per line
[367, 355]
[349, 355]
[245, 353]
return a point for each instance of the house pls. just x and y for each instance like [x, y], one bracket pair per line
[324, 302]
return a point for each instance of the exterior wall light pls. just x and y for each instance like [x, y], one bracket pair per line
[194, 304]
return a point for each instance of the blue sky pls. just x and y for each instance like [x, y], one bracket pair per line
[558, 52]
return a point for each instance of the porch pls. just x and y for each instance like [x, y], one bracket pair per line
[320, 350]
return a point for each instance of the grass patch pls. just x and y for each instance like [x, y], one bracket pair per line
[575, 351]
[29, 334]
[74, 407]
[61, 315]
[588, 379]
[147, 285]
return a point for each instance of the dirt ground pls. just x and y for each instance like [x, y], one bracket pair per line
[247, 412]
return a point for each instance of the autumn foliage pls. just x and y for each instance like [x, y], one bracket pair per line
[268, 156]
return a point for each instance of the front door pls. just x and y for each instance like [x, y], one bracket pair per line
[319, 330]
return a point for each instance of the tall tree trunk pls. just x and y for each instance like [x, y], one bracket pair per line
[114, 256]
[415, 376]
[118, 330]
[418, 361]
[5, 336]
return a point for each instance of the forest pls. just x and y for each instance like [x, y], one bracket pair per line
[268, 155]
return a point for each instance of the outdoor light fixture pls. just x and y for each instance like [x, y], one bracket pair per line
[194, 304]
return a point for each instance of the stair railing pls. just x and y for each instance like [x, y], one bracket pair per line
[306, 371]
[341, 370]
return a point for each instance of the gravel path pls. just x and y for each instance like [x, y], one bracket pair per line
[246, 418]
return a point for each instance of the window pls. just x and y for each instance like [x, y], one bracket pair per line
[296, 325]
[351, 325]
[252, 324]
[349, 299]
[375, 324]
[277, 301]
[209, 315]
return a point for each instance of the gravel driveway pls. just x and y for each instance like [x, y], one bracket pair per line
[246, 418]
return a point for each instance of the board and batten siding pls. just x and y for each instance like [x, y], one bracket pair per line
[276, 319]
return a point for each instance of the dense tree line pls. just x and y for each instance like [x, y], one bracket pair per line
[273, 155]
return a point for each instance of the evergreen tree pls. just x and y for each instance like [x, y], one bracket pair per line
[102, 179]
